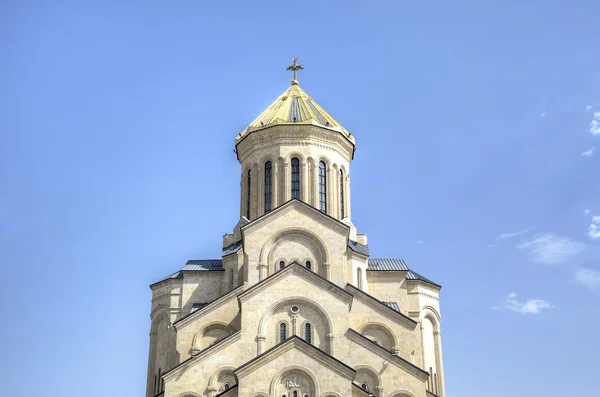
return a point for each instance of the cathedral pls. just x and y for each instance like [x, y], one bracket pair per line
[296, 306]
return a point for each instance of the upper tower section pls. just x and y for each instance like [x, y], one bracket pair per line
[295, 150]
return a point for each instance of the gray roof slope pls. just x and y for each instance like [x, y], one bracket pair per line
[386, 265]
[412, 275]
[358, 247]
[232, 248]
[392, 305]
[204, 264]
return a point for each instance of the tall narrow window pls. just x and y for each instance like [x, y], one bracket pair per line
[281, 265]
[295, 394]
[231, 281]
[308, 265]
[322, 188]
[342, 194]
[268, 167]
[159, 380]
[307, 335]
[248, 191]
[282, 332]
[295, 178]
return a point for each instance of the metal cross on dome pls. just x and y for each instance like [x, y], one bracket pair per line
[294, 67]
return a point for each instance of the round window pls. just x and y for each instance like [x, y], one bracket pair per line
[295, 309]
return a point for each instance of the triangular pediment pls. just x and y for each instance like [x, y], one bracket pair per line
[309, 354]
[301, 208]
[301, 272]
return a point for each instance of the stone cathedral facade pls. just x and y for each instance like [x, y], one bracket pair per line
[296, 306]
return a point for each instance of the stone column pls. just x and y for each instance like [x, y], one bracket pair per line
[287, 190]
[330, 339]
[254, 193]
[327, 267]
[439, 363]
[329, 193]
[347, 194]
[274, 184]
[304, 182]
[260, 343]
[315, 185]
[260, 191]
[262, 271]
[294, 319]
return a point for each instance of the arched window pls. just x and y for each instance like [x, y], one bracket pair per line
[359, 283]
[249, 180]
[231, 276]
[308, 265]
[307, 334]
[322, 188]
[364, 386]
[281, 265]
[295, 178]
[282, 332]
[268, 167]
[342, 194]
[295, 393]
[227, 386]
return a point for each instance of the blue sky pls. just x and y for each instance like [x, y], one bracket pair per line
[472, 120]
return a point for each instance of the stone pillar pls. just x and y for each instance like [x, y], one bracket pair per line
[329, 193]
[287, 190]
[254, 193]
[315, 184]
[274, 184]
[304, 182]
[262, 271]
[327, 268]
[330, 347]
[294, 320]
[437, 338]
[260, 344]
[347, 194]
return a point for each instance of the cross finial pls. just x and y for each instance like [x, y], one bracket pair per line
[293, 67]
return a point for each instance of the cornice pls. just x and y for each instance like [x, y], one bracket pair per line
[182, 322]
[295, 343]
[209, 351]
[381, 308]
[284, 135]
[357, 337]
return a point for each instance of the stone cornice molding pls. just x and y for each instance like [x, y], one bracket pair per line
[301, 272]
[208, 352]
[182, 322]
[294, 134]
[428, 295]
[296, 343]
[409, 367]
[381, 308]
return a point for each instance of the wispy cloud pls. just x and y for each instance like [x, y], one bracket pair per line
[588, 108]
[543, 114]
[532, 306]
[589, 152]
[586, 212]
[505, 236]
[594, 229]
[587, 277]
[548, 248]
[595, 124]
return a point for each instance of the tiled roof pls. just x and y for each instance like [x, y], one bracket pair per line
[232, 248]
[294, 106]
[412, 275]
[204, 264]
[392, 305]
[358, 247]
[386, 265]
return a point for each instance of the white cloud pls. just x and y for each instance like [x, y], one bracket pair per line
[493, 308]
[586, 212]
[532, 306]
[505, 236]
[595, 124]
[594, 229]
[589, 278]
[549, 248]
[589, 152]
[588, 108]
